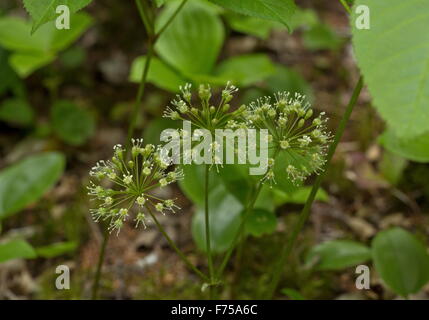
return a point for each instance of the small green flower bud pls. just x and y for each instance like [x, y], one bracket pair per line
[284, 144]
[301, 123]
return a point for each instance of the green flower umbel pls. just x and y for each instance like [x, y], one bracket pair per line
[297, 140]
[121, 187]
[204, 114]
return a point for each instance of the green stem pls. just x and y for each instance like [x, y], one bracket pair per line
[207, 229]
[140, 91]
[153, 38]
[305, 213]
[170, 20]
[96, 284]
[239, 232]
[174, 246]
[346, 6]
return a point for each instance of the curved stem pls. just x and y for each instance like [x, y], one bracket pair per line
[305, 213]
[170, 20]
[207, 229]
[174, 246]
[239, 232]
[96, 284]
[346, 6]
[140, 92]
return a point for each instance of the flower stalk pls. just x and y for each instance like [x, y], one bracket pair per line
[305, 213]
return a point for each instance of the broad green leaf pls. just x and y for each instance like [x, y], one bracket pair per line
[415, 148]
[10, 80]
[392, 166]
[27, 62]
[15, 35]
[152, 132]
[79, 23]
[251, 25]
[401, 260]
[159, 3]
[16, 249]
[393, 58]
[299, 196]
[338, 254]
[224, 218]
[56, 249]
[25, 182]
[16, 111]
[192, 184]
[71, 123]
[260, 222]
[321, 37]
[285, 79]
[192, 42]
[30, 52]
[159, 74]
[43, 11]
[275, 10]
[238, 71]
[237, 181]
[292, 294]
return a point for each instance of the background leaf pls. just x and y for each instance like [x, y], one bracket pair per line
[43, 11]
[238, 70]
[338, 254]
[56, 249]
[393, 57]
[401, 260]
[192, 42]
[72, 124]
[16, 111]
[275, 10]
[260, 222]
[159, 74]
[415, 148]
[16, 249]
[26, 181]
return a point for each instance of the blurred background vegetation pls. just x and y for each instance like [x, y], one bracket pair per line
[66, 98]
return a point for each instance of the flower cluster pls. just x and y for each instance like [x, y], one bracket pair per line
[204, 115]
[293, 132]
[121, 186]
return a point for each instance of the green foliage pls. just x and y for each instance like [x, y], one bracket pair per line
[56, 249]
[415, 148]
[299, 196]
[401, 260]
[10, 80]
[159, 74]
[16, 111]
[250, 25]
[224, 218]
[286, 79]
[274, 10]
[16, 249]
[260, 222]
[292, 294]
[30, 52]
[43, 11]
[321, 37]
[224, 208]
[337, 255]
[392, 167]
[393, 57]
[25, 182]
[72, 124]
[238, 70]
[193, 41]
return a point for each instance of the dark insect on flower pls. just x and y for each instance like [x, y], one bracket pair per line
[295, 136]
[120, 186]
